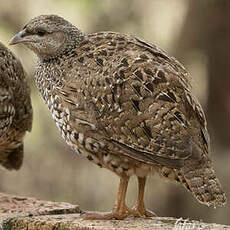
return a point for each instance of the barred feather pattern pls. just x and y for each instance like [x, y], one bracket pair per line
[15, 109]
[125, 105]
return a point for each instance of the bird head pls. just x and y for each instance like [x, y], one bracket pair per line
[48, 36]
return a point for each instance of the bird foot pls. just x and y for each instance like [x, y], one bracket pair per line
[104, 215]
[118, 215]
[141, 212]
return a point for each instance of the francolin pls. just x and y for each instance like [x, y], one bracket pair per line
[124, 104]
[15, 109]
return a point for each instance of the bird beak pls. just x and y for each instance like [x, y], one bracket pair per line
[19, 38]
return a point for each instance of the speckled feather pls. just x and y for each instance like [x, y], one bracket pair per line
[127, 106]
[15, 109]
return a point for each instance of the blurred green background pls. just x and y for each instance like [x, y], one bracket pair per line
[196, 32]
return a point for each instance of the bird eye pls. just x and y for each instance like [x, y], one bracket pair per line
[41, 33]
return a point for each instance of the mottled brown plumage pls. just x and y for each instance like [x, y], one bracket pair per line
[15, 109]
[125, 105]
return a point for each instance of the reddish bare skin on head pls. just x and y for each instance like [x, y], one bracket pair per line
[125, 105]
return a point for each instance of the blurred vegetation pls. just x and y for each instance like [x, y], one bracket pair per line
[196, 32]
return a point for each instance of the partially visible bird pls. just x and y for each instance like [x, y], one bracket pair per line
[125, 105]
[15, 109]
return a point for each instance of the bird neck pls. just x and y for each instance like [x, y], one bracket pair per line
[48, 76]
[51, 70]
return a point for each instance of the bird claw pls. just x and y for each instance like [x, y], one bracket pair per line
[104, 215]
[134, 212]
[142, 212]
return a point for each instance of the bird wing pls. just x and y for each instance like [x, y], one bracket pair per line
[21, 90]
[23, 105]
[13, 80]
[7, 110]
[137, 98]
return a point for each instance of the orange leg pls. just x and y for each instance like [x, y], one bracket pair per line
[120, 210]
[139, 209]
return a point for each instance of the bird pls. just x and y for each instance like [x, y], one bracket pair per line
[15, 109]
[125, 105]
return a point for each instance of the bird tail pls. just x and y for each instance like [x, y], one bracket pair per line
[14, 158]
[200, 179]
